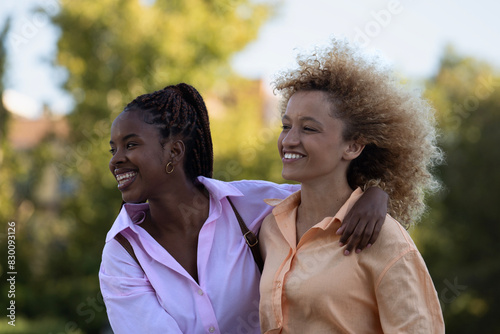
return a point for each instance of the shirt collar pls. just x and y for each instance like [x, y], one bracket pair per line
[284, 205]
[219, 189]
[340, 215]
[293, 201]
[132, 214]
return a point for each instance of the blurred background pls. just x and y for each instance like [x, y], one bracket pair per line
[68, 68]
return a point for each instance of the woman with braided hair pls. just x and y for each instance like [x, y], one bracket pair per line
[175, 260]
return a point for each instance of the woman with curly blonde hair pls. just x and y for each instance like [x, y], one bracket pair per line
[348, 124]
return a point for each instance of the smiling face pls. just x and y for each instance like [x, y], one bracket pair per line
[311, 144]
[139, 160]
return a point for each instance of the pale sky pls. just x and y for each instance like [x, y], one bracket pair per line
[412, 37]
[410, 34]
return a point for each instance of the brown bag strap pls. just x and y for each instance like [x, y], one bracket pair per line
[250, 238]
[128, 247]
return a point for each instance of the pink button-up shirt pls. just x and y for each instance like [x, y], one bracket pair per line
[164, 298]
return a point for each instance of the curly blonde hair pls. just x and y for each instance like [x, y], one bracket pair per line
[396, 125]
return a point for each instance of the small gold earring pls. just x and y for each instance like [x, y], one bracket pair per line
[171, 165]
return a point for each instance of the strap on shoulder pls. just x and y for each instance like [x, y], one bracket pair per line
[250, 238]
[128, 247]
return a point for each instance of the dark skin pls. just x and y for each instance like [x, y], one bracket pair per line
[168, 195]
[179, 235]
[358, 232]
[180, 240]
[139, 159]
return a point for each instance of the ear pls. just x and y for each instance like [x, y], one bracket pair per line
[353, 150]
[177, 152]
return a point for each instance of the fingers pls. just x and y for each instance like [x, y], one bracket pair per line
[340, 230]
[355, 238]
[366, 236]
[376, 231]
[346, 229]
[362, 224]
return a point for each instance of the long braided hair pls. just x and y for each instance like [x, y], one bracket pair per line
[179, 110]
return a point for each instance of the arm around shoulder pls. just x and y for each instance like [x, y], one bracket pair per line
[363, 222]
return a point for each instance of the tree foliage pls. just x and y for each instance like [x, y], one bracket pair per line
[113, 51]
[6, 157]
[459, 242]
[245, 133]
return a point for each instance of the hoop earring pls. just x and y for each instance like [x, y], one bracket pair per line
[171, 165]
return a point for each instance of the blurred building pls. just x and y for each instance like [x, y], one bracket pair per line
[230, 98]
[38, 186]
[25, 133]
[27, 127]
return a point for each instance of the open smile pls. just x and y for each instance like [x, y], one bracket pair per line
[125, 179]
[291, 157]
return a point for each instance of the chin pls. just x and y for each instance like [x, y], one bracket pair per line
[132, 201]
[128, 198]
[290, 177]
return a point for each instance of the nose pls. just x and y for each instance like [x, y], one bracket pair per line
[290, 138]
[117, 159]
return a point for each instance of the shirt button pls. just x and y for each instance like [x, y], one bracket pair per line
[200, 292]
[279, 284]
[279, 324]
[211, 329]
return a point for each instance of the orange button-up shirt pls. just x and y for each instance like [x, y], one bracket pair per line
[311, 287]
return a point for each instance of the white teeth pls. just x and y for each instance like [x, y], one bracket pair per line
[292, 156]
[124, 176]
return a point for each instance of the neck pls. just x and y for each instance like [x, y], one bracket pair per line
[183, 209]
[322, 199]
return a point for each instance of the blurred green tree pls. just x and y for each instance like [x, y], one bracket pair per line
[13, 205]
[6, 156]
[459, 242]
[113, 51]
[245, 132]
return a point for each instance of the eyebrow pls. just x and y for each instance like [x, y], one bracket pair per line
[303, 118]
[126, 137]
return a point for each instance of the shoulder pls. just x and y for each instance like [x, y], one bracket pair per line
[266, 189]
[393, 243]
[116, 261]
[247, 187]
[394, 236]
[114, 252]
[255, 192]
[268, 230]
[248, 196]
[268, 225]
[394, 247]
